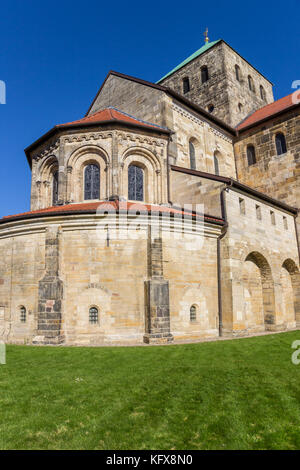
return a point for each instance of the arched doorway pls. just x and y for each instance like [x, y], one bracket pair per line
[259, 292]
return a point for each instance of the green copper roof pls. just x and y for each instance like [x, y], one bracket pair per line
[193, 56]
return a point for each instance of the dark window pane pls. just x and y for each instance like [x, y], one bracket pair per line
[186, 85]
[192, 156]
[280, 144]
[92, 182]
[23, 314]
[55, 188]
[204, 74]
[251, 155]
[93, 315]
[193, 313]
[135, 183]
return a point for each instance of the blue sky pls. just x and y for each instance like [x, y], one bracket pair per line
[55, 55]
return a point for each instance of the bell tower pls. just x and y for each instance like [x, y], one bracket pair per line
[221, 81]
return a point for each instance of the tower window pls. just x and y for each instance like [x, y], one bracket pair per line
[273, 221]
[204, 74]
[250, 83]
[240, 107]
[23, 314]
[216, 164]
[192, 156]
[92, 182]
[242, 206]
[135, 183]
[262, 92]
[211, 108]
[238, 73]
[285, 223]
[93, 315]
[186, 85]
[280, 144]
[193, 313]
[55, 188]
[258, 212]
[251, 157]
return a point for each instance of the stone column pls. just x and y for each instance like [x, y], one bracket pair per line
[50, 294]
[156, 294]
[114, 191]
[62, 175]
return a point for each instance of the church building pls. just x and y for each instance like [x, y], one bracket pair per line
[168, 212]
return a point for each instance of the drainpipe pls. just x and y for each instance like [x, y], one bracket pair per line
[297, 235]
[219, 265]
[168, 171]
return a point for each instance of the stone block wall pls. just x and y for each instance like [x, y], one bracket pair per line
[260, 267]
[275, 175]
[109, 273]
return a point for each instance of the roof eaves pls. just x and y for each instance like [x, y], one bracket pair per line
[264, 119]
[79, 125]
[236, 184]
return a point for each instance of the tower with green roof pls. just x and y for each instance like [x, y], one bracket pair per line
[221, 81]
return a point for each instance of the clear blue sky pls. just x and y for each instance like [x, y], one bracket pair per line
[55, 55]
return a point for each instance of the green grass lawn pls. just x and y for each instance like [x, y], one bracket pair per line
[240, 394]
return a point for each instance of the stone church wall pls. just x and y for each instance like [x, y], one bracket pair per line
[275, 175]
[97, 269]
[260, 265]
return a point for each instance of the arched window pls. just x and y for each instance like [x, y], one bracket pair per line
[193, 313]
[238, 73]
[55, 188]
[135, 183]
[251, 157]
[186, 85]
[250, 83]
[192, 156]
[204, 74]
[93, 315]
[216, 164]
[92, 182]
[23, 314]
[211, 108]
[240, 107]
[262, 92]
[280, 143]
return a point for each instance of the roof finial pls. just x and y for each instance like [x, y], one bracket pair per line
[206, 36]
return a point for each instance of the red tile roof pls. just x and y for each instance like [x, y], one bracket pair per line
[112, 114]
[103, 206]
[268, 111]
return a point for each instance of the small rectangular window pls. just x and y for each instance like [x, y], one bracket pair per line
[242, 206]
[285, 223]
[273, 221]
[258, 212]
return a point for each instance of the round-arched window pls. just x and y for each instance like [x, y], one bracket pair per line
[93, 315]
[280, 143]
[92, 182]
[23, 314]
[55, 188]
[193, 313]
[135, 183]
